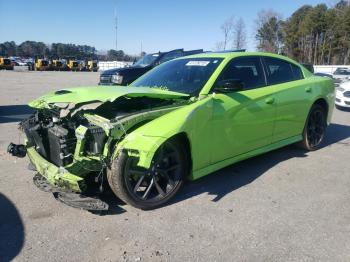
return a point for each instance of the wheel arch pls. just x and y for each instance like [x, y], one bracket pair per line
[323, 103]
[146, 146]
[183, 138]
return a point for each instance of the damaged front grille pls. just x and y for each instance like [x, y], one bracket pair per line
[61, 145]
[54, 142]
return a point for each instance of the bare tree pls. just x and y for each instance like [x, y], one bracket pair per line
[263, 16]
[269, 31]
[227, 30]
[219, 46]
[239, 34]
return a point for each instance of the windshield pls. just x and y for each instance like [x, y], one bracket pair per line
[187, 75]
[146, 60]
[342, 71]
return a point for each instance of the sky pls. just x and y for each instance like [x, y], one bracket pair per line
[158, 25]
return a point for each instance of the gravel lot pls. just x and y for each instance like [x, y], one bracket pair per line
[286, 205]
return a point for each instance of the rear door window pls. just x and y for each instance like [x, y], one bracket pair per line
[280, 71]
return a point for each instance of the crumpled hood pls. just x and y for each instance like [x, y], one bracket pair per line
[102, 94]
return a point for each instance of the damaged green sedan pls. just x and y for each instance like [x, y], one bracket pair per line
[184, 119]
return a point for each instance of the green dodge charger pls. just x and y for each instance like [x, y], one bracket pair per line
[182, 120]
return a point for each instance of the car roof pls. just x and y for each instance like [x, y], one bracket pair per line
[230, 55]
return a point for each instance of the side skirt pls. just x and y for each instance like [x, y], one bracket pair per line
[214, 167]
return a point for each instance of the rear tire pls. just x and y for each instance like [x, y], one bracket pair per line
[153, 187]
[315, 127]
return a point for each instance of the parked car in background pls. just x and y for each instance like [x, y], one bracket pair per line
[336, 81]
[126, 75]
[186, 118]
[324, 75]
[19, 62]
[342, 99]
[342, 74]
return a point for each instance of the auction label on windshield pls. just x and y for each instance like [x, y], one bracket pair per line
[198, 63]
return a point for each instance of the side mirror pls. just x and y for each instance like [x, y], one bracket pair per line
[228, 86]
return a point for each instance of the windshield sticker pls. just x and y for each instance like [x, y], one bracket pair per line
[197, 63]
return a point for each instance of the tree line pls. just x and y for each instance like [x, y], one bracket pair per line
[312, 34]
[33, 49]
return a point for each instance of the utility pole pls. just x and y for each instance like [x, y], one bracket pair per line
[116, 28]
[141, 49]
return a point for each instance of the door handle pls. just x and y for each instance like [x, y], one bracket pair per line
[270, 100]
[308, 89]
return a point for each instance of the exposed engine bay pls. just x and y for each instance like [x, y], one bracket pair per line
[55, 137]
[82, 141]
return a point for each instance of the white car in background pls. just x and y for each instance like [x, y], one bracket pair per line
[342, 74]
[342, 97]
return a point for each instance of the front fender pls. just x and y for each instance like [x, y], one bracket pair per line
[141, 146]
[192, 120]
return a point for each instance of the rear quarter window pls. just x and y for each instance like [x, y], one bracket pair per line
[280, 71]
[298, 74]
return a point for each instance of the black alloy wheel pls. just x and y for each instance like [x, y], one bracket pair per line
[150, 188]
[315, 128]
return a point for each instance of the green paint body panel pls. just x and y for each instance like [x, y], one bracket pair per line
[80, 95]
[222, 129]
[53, 174]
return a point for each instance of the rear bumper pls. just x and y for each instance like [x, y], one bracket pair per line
[57, 176]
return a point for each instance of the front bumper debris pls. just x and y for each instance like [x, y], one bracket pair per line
[69, 198]
[57, 176]
[81, 201]
[17, 150]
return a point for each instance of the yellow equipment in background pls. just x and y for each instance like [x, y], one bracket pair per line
[6, 63]
[41, 64]
[57, 65]
[92, 66]
[73, 65]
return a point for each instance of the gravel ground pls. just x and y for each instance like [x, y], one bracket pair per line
[286, 205]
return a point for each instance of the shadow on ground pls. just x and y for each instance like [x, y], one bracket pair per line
[238, 175]
[221, 182]
[14, 113]
[11, 230]
[226, 180]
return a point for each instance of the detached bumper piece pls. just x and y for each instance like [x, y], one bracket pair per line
[17, 150]
[71, 199]
[80, 201]
[63, 184]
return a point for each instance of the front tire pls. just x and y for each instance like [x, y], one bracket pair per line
[315, 127]
[153, 187]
